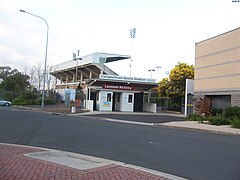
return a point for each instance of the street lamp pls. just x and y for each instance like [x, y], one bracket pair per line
[76, 58]
[130, 66]
[45, 65]
[151, 70]
[132, 36]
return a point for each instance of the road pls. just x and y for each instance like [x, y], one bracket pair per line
[189, 154]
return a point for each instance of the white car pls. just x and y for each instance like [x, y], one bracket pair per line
[5, 103]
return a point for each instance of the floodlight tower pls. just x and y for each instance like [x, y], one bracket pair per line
[132, 36]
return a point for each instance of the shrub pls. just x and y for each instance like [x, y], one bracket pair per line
[235, 123]
[23, 102]
[216, 112]
[46, 101]
[17, 101]
[218, 120]
[195, 117]
[39, 101]
[31, 102]
[25, 98]
[203, 106]
[232, 112]
[8, 96]
[28, 95]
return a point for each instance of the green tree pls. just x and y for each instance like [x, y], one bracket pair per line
[174, 87]
[15, 84]
[163, 88]
[6, 71]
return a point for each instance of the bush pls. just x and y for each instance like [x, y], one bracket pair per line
[25, 98]
[31, 102]
[232, 112]
[23, 103]
[203, 106]
[235, 123]
[195, 117]
[39, 101]
[8, 96]
[28, 95]
[218, 120]
[46, 101]
[17, 101]
[217, 112]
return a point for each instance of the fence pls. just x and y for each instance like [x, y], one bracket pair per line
[172, 104]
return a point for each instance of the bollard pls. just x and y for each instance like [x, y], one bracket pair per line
[73, 110]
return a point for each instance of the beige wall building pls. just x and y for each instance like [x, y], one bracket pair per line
[217, 69]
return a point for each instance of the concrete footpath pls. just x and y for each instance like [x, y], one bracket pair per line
[24, 162]
[194, 125]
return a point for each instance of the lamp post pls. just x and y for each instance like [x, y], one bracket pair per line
[45, 65]
[130, 65]
[76, 58]
[132, 36]
[151, 70]
[150, 91]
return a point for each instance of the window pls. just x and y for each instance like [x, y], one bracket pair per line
[130, 96]
[109, 97]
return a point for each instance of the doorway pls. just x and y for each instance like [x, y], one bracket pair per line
[116, 101]
[138, 102]
[93, 96]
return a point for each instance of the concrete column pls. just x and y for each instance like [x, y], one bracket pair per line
[89, 93]
[149, 95]
[90, 74]
[73, 78]
[81, 77]
[66, 78]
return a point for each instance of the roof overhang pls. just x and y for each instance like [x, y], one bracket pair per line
[140, 86]
[94, 68]
[115, 57]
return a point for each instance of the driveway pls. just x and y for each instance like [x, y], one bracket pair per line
[138, 117]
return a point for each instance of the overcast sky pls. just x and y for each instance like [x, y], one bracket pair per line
[167, 31]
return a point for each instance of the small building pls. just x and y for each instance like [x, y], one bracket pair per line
[103, 89]
[217, 65]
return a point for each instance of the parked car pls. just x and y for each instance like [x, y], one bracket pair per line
[5, 103]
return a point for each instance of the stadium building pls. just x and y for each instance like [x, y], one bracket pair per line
[99, 87]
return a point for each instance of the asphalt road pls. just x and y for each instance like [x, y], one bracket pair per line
[190, 154]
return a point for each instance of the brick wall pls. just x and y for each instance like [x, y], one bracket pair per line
[235, 100]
